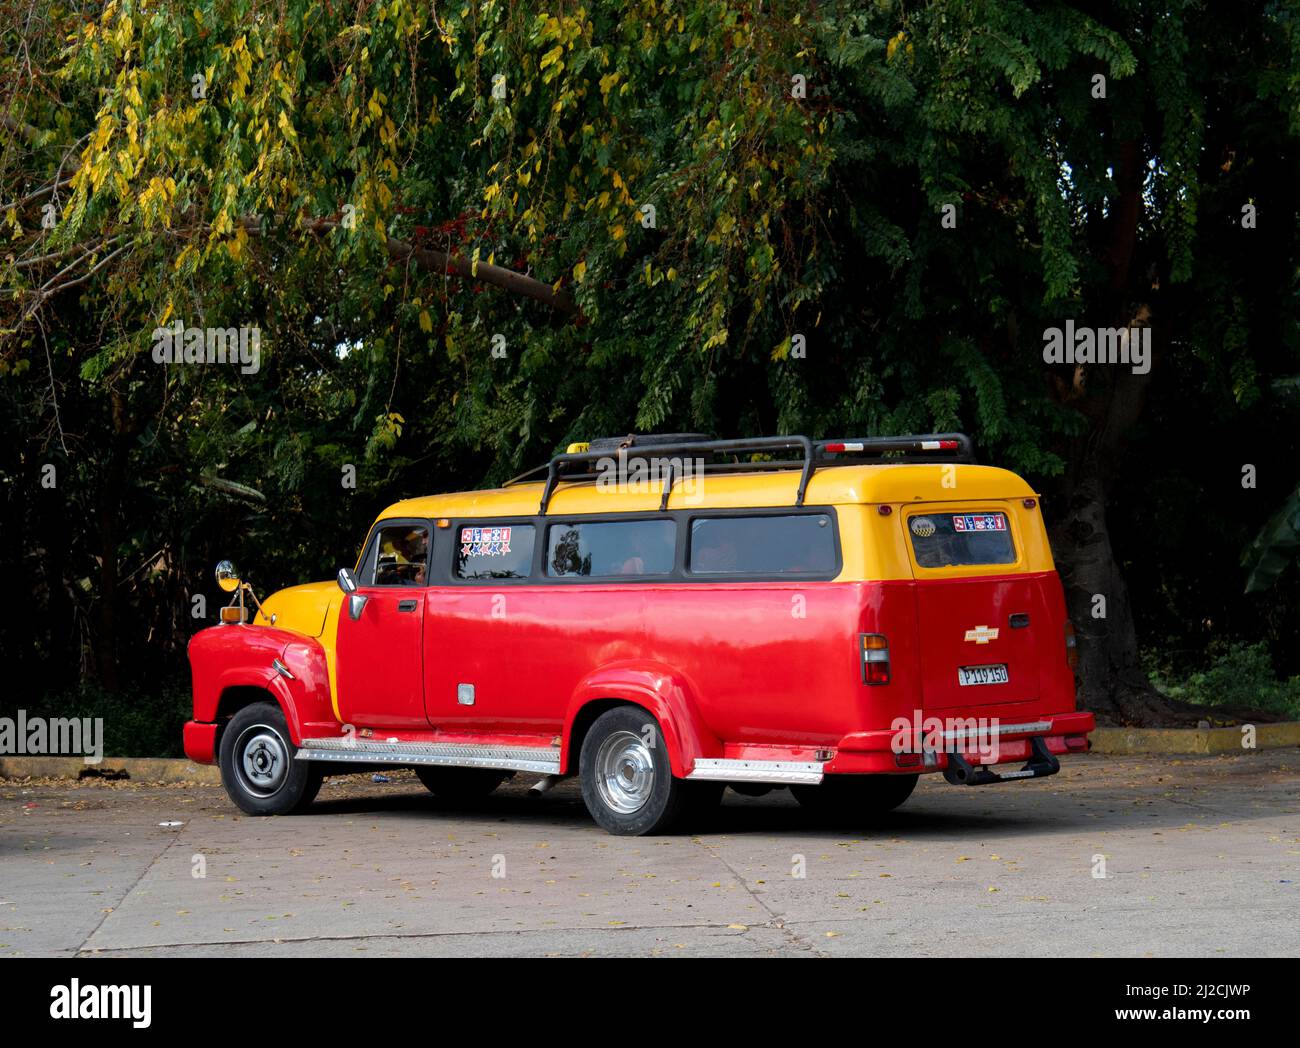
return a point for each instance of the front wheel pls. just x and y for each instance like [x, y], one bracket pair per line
[627, 783]
[857, 794]
[258, 768]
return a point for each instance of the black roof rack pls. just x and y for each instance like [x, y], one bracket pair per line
[580, 465]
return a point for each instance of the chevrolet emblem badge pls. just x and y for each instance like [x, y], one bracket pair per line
[982, 634]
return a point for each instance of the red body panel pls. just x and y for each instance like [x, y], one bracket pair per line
[379, 660]
[225, 657]
[752, 670]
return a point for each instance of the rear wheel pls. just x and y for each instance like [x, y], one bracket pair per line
[258, 767]
[627, 783]
[460, 784]
[857, 794]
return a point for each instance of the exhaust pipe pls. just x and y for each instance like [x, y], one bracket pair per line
[542, 786]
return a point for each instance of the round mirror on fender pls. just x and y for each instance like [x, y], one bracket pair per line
[347, 581]
[227, 577]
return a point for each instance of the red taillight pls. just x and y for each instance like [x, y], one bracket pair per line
[1071, 646]
[907, 760]
[874, 649]
[1076, 742]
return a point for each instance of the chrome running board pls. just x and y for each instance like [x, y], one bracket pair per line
[448, 754]
[785, 773]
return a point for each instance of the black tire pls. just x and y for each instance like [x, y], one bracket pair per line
[856, 794]
[258, 768]
[460, 784]
[627, 743]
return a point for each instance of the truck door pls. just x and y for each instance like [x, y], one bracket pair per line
[379, 669]
[980, 615]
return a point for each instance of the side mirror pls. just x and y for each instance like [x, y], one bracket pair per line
[347, 581]
[227, 577]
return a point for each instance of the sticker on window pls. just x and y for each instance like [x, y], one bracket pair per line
[922, 527]
[485, 542]
[980, 522]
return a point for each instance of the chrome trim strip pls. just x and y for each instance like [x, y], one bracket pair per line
[544, 761]
[1001, 729]
[718, 769]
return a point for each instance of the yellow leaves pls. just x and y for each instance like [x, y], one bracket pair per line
[426, 322]
[607, 82]
[580, 271]
[243, 62]
[718, 338]
[552, 56]
[617, 232]
[899, 39]
[491, 192]
[125, 32]
[671, 274]
[286, 127]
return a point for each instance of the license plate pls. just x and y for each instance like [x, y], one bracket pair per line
[982, 674]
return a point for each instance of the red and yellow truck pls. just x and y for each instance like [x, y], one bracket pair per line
[664, 616]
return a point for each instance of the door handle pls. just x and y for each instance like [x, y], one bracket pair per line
[407, 605]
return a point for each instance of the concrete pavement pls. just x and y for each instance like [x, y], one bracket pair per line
[1200, 855]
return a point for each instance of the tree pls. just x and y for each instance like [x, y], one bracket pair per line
[469, 235]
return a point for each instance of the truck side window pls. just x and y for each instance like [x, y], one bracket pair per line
[402, 556]
[772, 545]
[494, 551]
[621, 548]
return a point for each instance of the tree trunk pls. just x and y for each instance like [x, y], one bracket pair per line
[1112, 681]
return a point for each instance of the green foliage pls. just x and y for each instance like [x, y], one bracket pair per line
[1274, 547]
[327, 134]
[146, 723]
[1237, 675]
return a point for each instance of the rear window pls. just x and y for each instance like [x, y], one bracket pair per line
[494, 551]
[611, 548]
[947, 540]
[774, 545]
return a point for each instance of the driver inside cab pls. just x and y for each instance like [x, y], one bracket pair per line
[403, 557]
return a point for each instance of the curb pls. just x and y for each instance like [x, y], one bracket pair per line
[137, 769]
[1158, 741]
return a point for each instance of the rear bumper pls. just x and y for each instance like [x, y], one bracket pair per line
[200, 742]
[925, 747]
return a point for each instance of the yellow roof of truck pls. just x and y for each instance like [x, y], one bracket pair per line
[829, 486]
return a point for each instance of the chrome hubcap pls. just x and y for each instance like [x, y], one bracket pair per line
[264, 758]
[625, 772]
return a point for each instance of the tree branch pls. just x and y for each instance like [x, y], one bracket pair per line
[442, 262]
